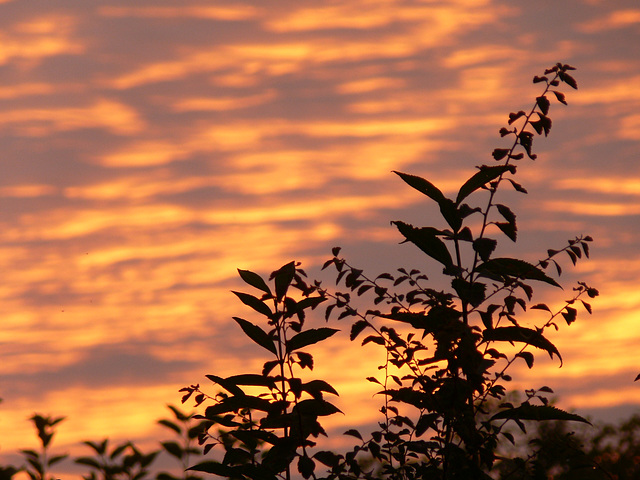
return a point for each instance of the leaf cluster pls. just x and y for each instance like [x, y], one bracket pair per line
[266, 422]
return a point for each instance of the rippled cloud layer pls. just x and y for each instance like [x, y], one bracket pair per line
[150, 149]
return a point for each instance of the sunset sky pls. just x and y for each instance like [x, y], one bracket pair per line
[151, 148]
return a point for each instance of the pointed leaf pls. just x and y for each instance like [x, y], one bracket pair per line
[481, 178]
[509, 229]
[233, 404]
[173, 448]
[314, 387]
[56, 459]
[528, 357]
[517, 187]
[560, 96]
[353, 433]
[254, 280]
[539, 413]
[422, 185]
[356, 328]
[256, 334]
[426, 240]
[171, 425]
[511, 267]
[315, 407]
[309, 337]
[523, 335]
[541, 306]
[251, 379]
[506, 213]
[255, 303]
[283, 278]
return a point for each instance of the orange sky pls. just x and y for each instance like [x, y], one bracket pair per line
[150, 150]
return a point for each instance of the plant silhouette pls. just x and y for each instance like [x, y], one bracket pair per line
[39, 463]
[443, 383]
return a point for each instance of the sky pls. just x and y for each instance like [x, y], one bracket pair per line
[148, 149]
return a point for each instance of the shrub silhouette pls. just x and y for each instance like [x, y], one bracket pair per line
[448, 352]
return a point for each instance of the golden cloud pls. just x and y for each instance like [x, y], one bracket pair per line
[27, 191]
[615, 20]
[223, 103]
[25, 89]
[108, 114]
[601, 209]
[39, 38]
[219, 12]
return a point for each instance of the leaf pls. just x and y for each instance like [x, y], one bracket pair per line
[306, 360]
[425, 422]
[356, 328]
[484, 247]
[500, 153]
[447, 206]
[171, 425]
[543, 124]
[426, 240]
[509, 229]
[637, 378]
[422, 185]
[56, 459]
[517, 186]
[450, 213]
[256, 334]
[233, 404]
[173, 449]
[515, 116]
[472, 293]
[538, 413]
[251, 379]
[283, 277]
[568, 79]
[481, 178]
[314, 387]
[373, 339]
[570, 315]
[178, 414]
[254, 280]
[270, 365]
[306, 466]
[506, 213]
[528, 357]
[309, 337]
[90, 462]
[255, 303]
[315, 407]
[523, 335]
[353, 433]
[543, 103]
[502, 268]
[327, 458]
[541, 306]
[560, 96]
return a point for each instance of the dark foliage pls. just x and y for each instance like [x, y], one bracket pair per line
[443, 413]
